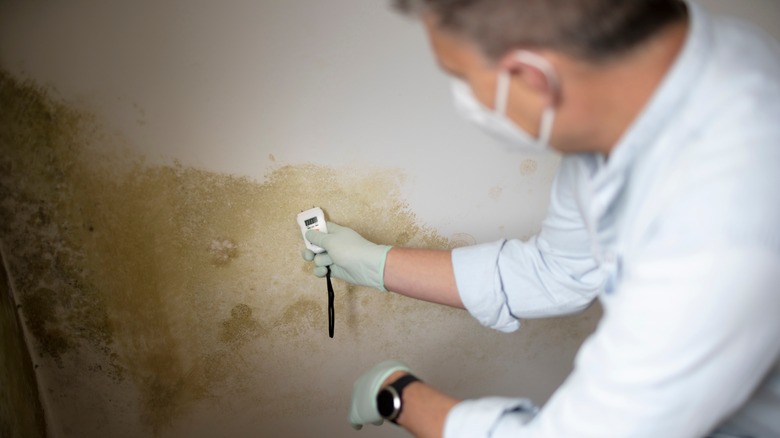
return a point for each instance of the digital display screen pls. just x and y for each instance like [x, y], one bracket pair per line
[310, 222]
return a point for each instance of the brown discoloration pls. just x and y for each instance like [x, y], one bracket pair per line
[223, 251]
[495, 192]
[186, 288]
[41, 143]
[188, 283]
[462, 239]
[21, 414]
[528, 167]
[241, 327]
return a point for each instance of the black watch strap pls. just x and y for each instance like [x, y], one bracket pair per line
[398, 390]
[402, 382]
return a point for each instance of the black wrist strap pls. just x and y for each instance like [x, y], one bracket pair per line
[399, 386]
[403, 381]
[331, 310]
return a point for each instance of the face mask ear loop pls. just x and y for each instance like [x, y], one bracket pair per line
[502, 92]
[544, 66]
[548, 116]
[546, 125]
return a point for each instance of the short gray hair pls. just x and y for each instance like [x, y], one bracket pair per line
[594, 30]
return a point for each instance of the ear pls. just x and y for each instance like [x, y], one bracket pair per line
[535, 71]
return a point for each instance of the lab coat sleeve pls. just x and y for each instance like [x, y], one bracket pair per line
[471, 417]
[553, 273]
[692, 326]
[680, 347]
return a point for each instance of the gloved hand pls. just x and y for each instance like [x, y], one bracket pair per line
[363, 409]
[349, 256]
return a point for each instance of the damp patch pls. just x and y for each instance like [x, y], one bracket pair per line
[184, 284]
[164, 300]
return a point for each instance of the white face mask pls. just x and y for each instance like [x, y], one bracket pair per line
[495, 122]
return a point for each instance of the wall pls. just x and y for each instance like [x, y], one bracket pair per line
[21, 415]
[167, 300]
[154, 157]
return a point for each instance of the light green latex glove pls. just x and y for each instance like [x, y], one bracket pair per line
[363, 409]
[349, 256]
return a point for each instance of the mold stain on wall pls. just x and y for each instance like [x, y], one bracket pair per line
[528, 167]
[156, 291]
[172, 278]
[21, 414]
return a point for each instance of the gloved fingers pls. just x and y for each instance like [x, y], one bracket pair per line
[334, 227]
[363, 412]
[363, 409]
[381, 371]
[317, 238]
[359, 261]
[354, 418]
[321, 271]
[358, 426]
[307, 254]
[335, 272]
[323, 259]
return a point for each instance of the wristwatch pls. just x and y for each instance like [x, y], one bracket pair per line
[389, 401]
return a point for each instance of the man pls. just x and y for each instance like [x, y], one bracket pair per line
[665, 208]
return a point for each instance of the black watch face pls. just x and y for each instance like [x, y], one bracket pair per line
[385, 403]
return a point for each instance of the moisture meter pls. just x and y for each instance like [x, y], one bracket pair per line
[312, 219]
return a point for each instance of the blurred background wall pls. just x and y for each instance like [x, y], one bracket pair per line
[154, 156]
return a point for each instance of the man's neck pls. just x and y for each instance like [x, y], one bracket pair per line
[605, 99]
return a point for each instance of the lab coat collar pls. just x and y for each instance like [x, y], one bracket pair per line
[602, 181]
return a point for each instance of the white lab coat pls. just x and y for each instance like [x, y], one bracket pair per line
[678, 236]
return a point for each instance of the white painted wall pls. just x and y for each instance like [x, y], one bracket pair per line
[347, 82]
[224, 85]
